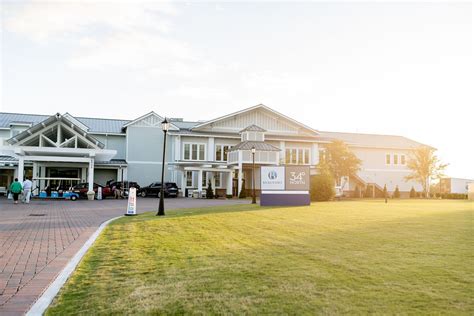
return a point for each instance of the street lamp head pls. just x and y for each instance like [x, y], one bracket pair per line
[165, 125]
[253, 150]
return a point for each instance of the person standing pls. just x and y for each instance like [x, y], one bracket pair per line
[27, 186]
[15, 189]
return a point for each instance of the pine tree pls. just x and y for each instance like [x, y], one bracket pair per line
[412, 193]
[385, 193]
[396, 193]
[209, 191]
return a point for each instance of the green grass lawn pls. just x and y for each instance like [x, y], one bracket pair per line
[358, 257]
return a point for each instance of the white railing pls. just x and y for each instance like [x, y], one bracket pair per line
[261, 157]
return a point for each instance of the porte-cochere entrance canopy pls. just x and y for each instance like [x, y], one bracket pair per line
[58, 141]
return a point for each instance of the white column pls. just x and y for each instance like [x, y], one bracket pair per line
[183, 182]
[239, 176]
[211, 149]
[124, 174]
[91, 175]
[314, 154]
[199, 182]
[229, 183]
[119, 174]
[35, 175]
[177, 148]
[84, 174]
[21, 168]
[282, 153]
[42, 183]
[213, 181]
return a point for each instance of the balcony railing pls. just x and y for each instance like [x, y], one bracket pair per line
[261, 157]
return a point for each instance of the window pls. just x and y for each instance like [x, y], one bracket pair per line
[395, 159]
[194, 151]
[222, 152]
[387, 159]
[186, 151]
[403, 160]
[298, 156]
[189, 178]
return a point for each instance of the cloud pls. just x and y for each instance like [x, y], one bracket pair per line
[42, 20]
[110, 35]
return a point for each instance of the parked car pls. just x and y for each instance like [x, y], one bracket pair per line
[123, 185]
[82, 188]
[154, 189]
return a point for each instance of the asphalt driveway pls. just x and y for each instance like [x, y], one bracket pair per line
[38, 240]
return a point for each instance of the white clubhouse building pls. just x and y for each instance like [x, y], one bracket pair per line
[62, 146]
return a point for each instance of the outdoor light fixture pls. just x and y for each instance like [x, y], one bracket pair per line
[254, 199]
[165, 125]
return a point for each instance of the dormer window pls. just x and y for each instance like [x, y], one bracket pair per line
[253, 133]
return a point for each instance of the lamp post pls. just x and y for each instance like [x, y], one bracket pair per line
[254, 199]
[165, 125]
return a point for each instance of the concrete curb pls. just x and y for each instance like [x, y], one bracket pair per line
[40, 306]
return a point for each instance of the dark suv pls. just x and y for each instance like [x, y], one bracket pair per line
[154, 189]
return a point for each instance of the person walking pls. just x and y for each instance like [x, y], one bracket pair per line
[27, 185]
[15, 189]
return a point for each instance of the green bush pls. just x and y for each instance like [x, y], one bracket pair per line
[209, 191]
[396, 193]
[412, 193]
[322, 185]
[453, 196]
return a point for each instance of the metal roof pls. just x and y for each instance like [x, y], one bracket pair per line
[8, 158]
[96, 125]
[101, 125]
[371, 140]
[259, 146]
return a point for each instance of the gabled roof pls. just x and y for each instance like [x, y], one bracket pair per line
[371, 140]
[256, 107]
[95, 125]
[50, 120]
[149, 114]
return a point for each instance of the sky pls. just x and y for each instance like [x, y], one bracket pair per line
[402, 68]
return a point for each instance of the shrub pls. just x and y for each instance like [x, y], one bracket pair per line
[412, 193]
[322, 185]
[385, 193]
[396, 193]
[209, 191]
[243, 192]
[229, 196]
[454, 196]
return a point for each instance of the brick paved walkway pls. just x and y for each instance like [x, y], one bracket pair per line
[38, 240]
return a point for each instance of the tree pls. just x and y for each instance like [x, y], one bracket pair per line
[424, 166]
[209, 190]
[341, 161]
[385, 193]
[322, 184]
[412, 193]
[396, 193]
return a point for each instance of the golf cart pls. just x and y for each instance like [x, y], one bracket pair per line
[57, 188]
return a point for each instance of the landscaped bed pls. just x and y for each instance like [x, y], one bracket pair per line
[407, 256]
